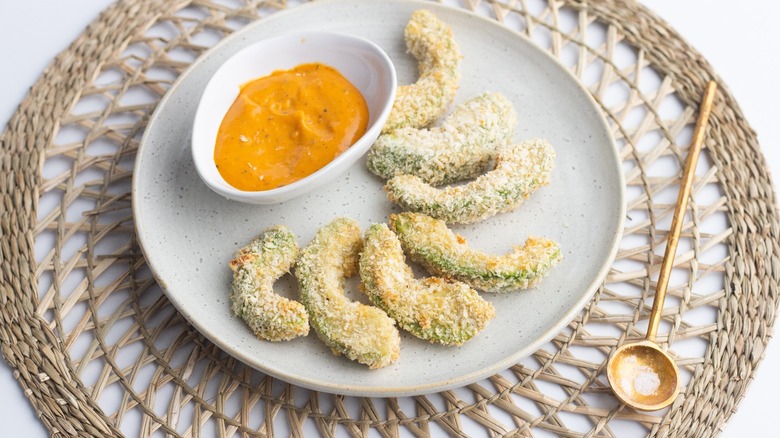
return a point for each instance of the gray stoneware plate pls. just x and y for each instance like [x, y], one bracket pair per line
[188, 233]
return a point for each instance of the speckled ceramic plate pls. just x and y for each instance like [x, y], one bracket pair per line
[188, 233]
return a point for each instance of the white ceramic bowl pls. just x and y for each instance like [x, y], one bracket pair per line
[362, 62]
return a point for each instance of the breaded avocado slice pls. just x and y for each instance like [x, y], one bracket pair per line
[438, 60]
[433, 309]
[429, 242]
[255, 269]
[361, 333]
[463, 147]
[520, 170]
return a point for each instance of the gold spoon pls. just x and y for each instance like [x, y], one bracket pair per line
[641, 374]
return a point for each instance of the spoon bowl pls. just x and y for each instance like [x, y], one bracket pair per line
[643, 376]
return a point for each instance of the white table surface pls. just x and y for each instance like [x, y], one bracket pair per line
[738, 39]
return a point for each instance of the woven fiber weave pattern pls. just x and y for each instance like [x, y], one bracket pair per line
[101, 352]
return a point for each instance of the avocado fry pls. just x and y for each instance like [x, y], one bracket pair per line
[433, 309]
[255, 269]
[429, 242]
[520, 170]
[362, 333]
[438, 58]
[463, 147]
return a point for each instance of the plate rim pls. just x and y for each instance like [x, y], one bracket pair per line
[376, 390]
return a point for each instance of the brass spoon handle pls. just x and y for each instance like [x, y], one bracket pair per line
[679, 210]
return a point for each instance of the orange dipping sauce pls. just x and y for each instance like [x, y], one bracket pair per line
[286, 126]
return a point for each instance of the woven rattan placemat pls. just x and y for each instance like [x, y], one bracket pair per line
[101, 352]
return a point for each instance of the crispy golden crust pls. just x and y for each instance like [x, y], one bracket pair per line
[429, 242]
[255, 269]
[420, 104]
[433, 309]
[362, 333]
[520, 170]
[463, 146]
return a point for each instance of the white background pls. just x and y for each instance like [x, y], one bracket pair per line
[737, 38]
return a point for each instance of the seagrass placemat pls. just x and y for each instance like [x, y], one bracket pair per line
[101, 352]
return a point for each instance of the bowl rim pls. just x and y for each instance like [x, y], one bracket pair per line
[302, 186]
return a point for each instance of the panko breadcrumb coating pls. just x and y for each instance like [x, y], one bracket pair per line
[360, 332]
[433, 309]
[520, 170]
[429, 242]
[438, 58]
[461, 148]
[255, 269]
